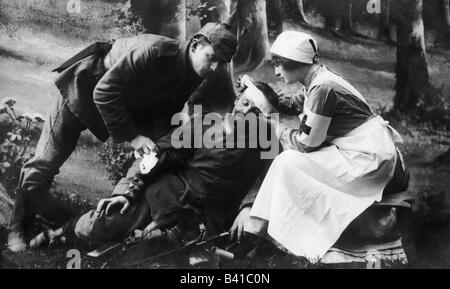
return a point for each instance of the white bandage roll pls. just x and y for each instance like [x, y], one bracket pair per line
[148, 162]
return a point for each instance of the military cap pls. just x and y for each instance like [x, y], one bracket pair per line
[223, 41]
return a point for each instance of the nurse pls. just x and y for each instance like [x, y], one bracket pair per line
[335, 165]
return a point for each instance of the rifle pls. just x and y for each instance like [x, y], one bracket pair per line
[112, 247]
[192, 245]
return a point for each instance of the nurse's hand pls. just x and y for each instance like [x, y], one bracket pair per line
[237, 230]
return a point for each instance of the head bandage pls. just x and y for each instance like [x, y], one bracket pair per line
[257, 96]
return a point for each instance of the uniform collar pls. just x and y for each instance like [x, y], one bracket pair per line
[185, 72]
[312, 73]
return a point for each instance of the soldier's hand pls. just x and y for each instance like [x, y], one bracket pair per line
[143, 145]
[106, 205]
[237, 230]
[238, 82]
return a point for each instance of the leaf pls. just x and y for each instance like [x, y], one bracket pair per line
[17, 159]
[3, 149]
[9, 101]
[6, 165]
[38, 117]
[27, 116]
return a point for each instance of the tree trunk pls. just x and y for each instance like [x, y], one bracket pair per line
[252, 35]
[275, 15]
[347, 19]
[330, 12]
[220, 12]
[412, 68]
[386, 25]
[163, 17]
[301, 9]
[384, 21]
[445, 8]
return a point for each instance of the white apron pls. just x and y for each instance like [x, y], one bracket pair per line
[307, 199]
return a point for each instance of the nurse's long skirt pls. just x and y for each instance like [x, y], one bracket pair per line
[307, 199]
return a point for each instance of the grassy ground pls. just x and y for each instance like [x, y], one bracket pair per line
[30, 49]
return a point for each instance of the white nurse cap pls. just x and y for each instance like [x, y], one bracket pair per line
[297, 46]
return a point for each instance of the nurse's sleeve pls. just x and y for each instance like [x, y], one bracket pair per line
[318, 112]
[291, 104]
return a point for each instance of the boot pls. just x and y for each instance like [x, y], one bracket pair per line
[247, 245]
[16, 231]
[27, 203]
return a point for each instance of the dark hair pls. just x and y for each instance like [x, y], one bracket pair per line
[276, 100]
[201, 39]
[288, 64]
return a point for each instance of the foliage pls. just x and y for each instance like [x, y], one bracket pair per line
[130, 23]
[9, 29]
[432, 111]
[434, 107]
[17, 132]
[66, 205]
[431, 207]
[117, 159]
[202, 11]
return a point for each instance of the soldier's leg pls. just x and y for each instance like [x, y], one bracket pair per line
[174, 206]
[58, 139]
[165, 202]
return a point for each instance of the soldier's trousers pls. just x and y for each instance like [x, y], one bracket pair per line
[58, 139]
[165, 202]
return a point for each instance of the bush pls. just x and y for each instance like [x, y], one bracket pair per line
[117, 159]
[434, 107]
[126, 22]
[432, 111]
[17, 132]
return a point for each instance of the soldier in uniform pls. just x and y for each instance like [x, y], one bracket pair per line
[127, 90]
[188, 185]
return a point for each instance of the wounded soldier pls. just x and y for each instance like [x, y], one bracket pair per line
[188, 185]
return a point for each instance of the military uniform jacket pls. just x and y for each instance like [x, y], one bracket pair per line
[141, 80]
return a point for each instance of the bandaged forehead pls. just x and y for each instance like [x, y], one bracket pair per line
[256, 95]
